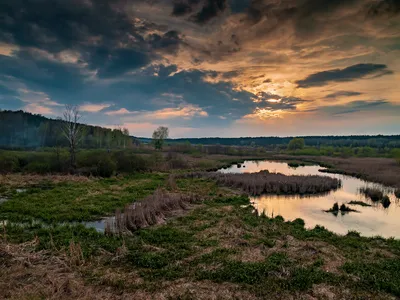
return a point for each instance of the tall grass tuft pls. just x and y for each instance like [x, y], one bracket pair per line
[256, 184]
[385, 201]
[150, 211]
[372, 193]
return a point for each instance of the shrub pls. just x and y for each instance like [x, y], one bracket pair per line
[38, 167]
[178, 163]
[106, 167]
[296, 143]
[130, 163]
[8, 164]
[397, 193]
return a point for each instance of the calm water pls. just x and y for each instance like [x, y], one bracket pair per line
[371, 221]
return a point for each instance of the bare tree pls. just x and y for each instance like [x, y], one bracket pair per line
[72, 130]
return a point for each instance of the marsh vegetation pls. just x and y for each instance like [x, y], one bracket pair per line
[152, 210]
[263, 182]
[342, 209]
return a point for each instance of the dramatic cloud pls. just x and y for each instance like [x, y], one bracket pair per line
[342, 94]
[210, 10]
[355, 106]
[204, 67]
[347, 74]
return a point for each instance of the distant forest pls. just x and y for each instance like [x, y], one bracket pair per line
[19, 129]
[373, 141]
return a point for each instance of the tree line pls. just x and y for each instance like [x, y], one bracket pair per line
[274, 143]
[19, 129]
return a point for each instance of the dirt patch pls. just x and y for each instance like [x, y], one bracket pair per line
[252, 254]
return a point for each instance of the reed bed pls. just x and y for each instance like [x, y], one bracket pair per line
[372, 193]
[150, 211]
[263, 182]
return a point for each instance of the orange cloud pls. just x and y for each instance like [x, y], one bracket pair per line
[183, 111]
[89, 107]
[39, 109]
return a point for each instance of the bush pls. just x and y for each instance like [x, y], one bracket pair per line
[8, 164]
[106, 167]
[296, 143]
[178, 163]
[130, 163]
[38, 167]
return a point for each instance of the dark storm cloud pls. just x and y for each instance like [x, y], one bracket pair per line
[383, 8]
[39, 72]
[265, 100]
[342, 75]
[342, 94]
[210, 10]
[358, 106]
[111, 63]
[313, 19]
[239, 6]
[183, 7]
[56, 25]
[107, 38]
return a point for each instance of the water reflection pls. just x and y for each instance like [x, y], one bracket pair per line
[371, 221]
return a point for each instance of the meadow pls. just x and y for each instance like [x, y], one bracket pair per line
[183, 233]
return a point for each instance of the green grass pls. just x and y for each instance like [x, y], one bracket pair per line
[78, 201]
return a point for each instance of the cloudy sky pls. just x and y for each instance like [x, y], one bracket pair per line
[206, 67]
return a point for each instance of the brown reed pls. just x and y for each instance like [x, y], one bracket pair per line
[271, 183]
[150, 211]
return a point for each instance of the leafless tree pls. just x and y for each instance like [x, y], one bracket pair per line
[72, 130]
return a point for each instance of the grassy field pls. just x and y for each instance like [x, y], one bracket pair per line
[216, 248]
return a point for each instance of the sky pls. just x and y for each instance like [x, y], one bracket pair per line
[206, 68]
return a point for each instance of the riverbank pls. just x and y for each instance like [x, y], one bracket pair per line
[380, 170]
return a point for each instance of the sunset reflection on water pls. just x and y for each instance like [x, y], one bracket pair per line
[370, 221]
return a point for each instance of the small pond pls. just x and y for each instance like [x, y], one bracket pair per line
[370, 221]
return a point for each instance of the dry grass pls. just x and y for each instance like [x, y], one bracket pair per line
[21, 180]
[372, 193]
[272, 183]
[380, 170]
[150, 211]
